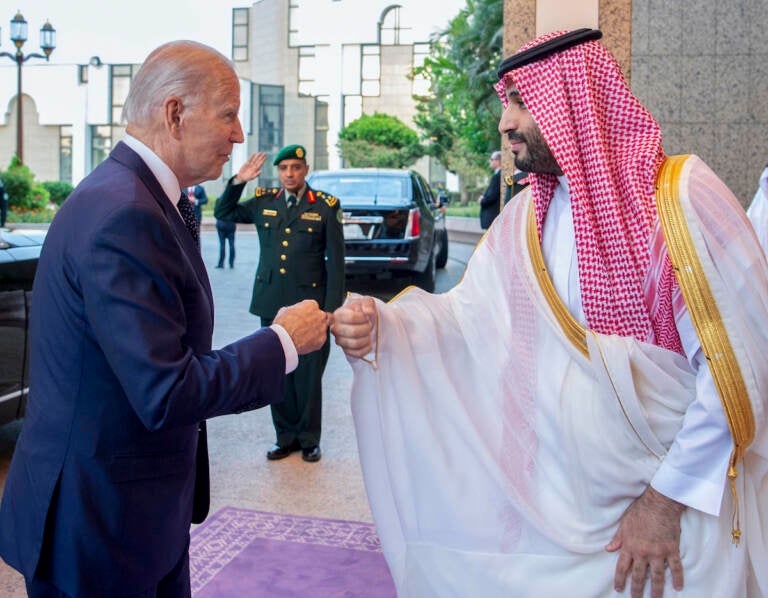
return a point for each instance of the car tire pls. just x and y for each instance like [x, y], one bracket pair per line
[442, 256]
[426, 280]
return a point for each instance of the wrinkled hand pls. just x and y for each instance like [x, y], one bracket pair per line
[649, 537]
[252, 167]
[353, 325]
[306, 324]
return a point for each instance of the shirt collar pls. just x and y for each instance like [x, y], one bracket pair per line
[160, 169]
[298, 195]
[562, 193]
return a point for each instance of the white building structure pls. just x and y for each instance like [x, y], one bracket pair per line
[307, 68]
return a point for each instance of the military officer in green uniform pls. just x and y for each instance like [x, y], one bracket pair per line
[302, 257]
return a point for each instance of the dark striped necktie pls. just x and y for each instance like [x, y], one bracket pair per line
[189, 218]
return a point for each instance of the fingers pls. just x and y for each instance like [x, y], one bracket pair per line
[623, 566]
[676, 570]
[353, 326]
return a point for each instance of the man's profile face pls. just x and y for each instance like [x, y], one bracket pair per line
[292, 173]
[212, 127]
[531, 152]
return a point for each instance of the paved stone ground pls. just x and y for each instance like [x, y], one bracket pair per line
[240, 474]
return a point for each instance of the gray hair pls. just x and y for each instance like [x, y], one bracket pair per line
[183, 68]
[496, 155]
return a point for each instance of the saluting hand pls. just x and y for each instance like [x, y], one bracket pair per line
[252, 168]
[306, 324]
[353, 326]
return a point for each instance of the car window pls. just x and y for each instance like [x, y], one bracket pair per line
[364, 189]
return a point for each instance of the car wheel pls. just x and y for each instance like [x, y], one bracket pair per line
[442, 256]
[426, 280]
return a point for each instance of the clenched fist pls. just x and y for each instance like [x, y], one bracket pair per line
[353, 326]
[306, 324]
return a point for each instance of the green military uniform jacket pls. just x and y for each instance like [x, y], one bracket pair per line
[301, 257]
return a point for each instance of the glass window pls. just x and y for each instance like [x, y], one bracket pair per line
[321, 134]
[271, 114]
[101, 144]
[120, 84]
[240, 33]
[65, 153]
[307, 69]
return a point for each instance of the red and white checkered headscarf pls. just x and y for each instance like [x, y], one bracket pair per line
[609, 148]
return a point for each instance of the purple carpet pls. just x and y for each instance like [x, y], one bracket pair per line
[238, 552]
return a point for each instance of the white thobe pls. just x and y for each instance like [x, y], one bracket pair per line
[693, 471]
[499, 458]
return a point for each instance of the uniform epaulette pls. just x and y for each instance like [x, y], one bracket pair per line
[265, 191]
[329, 199]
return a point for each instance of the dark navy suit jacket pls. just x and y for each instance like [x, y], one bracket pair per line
[490, 204]
[101, 487]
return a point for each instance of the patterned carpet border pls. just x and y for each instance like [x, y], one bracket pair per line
[229, 531]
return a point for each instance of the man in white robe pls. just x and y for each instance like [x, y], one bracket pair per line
[555, 425]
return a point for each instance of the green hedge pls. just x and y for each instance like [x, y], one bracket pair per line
[58, 190]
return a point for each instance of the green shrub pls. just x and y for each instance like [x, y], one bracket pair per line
[58, 190]
[468, 211]
[40, 198]
[19, 188]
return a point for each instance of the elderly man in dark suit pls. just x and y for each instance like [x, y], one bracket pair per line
[302, 257]
[490, 201]
[111, 466]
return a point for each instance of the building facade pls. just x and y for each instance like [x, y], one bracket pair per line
[309, 67]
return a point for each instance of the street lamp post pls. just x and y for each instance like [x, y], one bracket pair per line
[47, 45]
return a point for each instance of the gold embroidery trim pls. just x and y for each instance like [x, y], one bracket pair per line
[707, 321]
[574, 331]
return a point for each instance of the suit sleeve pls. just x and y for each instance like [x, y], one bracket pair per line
[228, 208]
[142, 297]
[493, 192]
[334, 263]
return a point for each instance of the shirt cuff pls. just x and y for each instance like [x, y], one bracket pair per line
[291, 355]
[696, 493]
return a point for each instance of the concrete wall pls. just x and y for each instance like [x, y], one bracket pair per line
[41, 142]
[701, 67]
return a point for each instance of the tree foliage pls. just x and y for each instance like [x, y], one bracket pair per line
[460, 117]
[380, 141]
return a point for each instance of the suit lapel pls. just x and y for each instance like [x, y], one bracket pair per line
[126, 156]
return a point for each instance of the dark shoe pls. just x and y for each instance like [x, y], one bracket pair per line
[281, 452]
[219, 266]
[311, 454]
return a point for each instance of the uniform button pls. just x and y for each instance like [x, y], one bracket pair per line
[282, 270]
[314, 284]
[285, 243]
[310, 229]
[288, 231]
[283, 257]
[266, 225]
